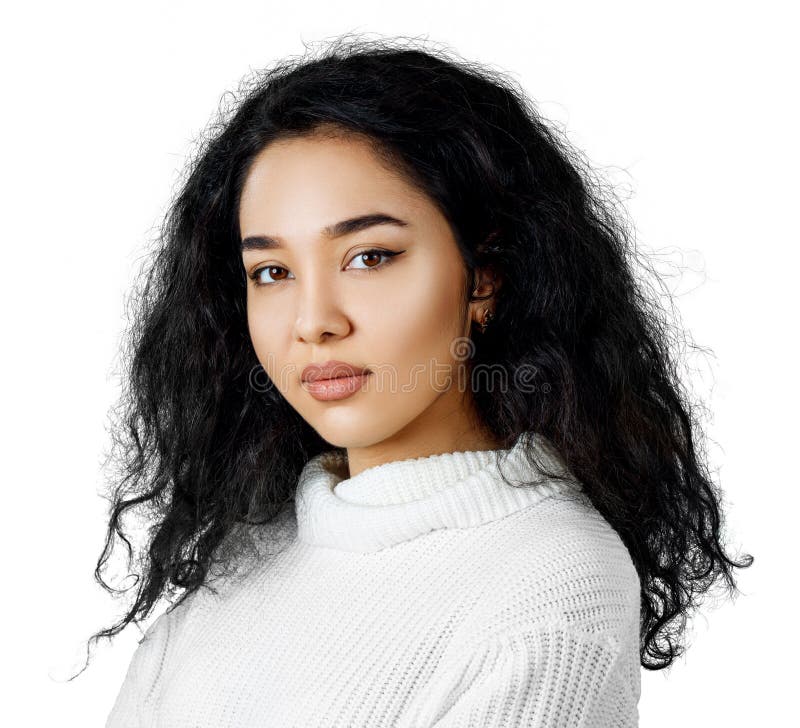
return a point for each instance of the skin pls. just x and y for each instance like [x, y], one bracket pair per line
[323, 299]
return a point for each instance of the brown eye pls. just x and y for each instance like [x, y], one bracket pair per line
[274, 268]
[260, 280]
[375, 255]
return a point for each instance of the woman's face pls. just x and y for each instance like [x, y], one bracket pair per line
[315, 296]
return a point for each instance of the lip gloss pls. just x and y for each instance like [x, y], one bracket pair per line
[326, 390]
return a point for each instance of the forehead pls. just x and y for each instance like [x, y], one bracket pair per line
[320, 178]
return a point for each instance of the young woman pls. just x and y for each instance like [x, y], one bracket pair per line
[407, 429]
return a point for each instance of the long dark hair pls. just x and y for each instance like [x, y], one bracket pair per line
[205, 455]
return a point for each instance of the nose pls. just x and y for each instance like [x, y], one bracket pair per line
[319, 314]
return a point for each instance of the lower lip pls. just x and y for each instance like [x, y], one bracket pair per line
[330, 389]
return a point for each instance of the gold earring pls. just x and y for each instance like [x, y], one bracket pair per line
[487, 317]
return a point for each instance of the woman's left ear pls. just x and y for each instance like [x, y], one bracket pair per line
[487, 282]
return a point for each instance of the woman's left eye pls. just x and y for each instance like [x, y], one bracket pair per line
[373, 253]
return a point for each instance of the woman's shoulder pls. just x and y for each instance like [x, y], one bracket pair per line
[253, 543]
[232, 575]
[561, 563]
[237, 569]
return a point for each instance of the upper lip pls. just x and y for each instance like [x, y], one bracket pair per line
[332, 369]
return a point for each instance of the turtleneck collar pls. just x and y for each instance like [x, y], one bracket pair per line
[397, 501]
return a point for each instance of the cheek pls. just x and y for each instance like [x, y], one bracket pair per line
[267, 332]
[256, 327]
[414, 318]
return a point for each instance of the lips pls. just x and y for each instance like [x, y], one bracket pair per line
[332, 369]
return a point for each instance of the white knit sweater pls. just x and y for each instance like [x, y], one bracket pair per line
[418, 593]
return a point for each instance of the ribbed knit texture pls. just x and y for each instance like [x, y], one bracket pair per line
[418, 593]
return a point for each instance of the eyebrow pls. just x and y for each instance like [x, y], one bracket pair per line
[330, 232]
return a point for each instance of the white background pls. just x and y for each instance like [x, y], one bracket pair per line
[690, 108]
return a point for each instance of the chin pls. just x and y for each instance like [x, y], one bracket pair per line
[349, 433]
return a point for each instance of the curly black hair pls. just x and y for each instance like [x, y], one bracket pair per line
[205, 456]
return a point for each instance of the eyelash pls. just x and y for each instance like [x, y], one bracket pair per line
[389, 254]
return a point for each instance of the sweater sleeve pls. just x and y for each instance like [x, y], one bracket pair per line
[133, 698]
[550, 676]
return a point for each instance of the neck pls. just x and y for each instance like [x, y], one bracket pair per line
[452, 433]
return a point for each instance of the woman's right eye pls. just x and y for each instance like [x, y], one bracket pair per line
[260, 279]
